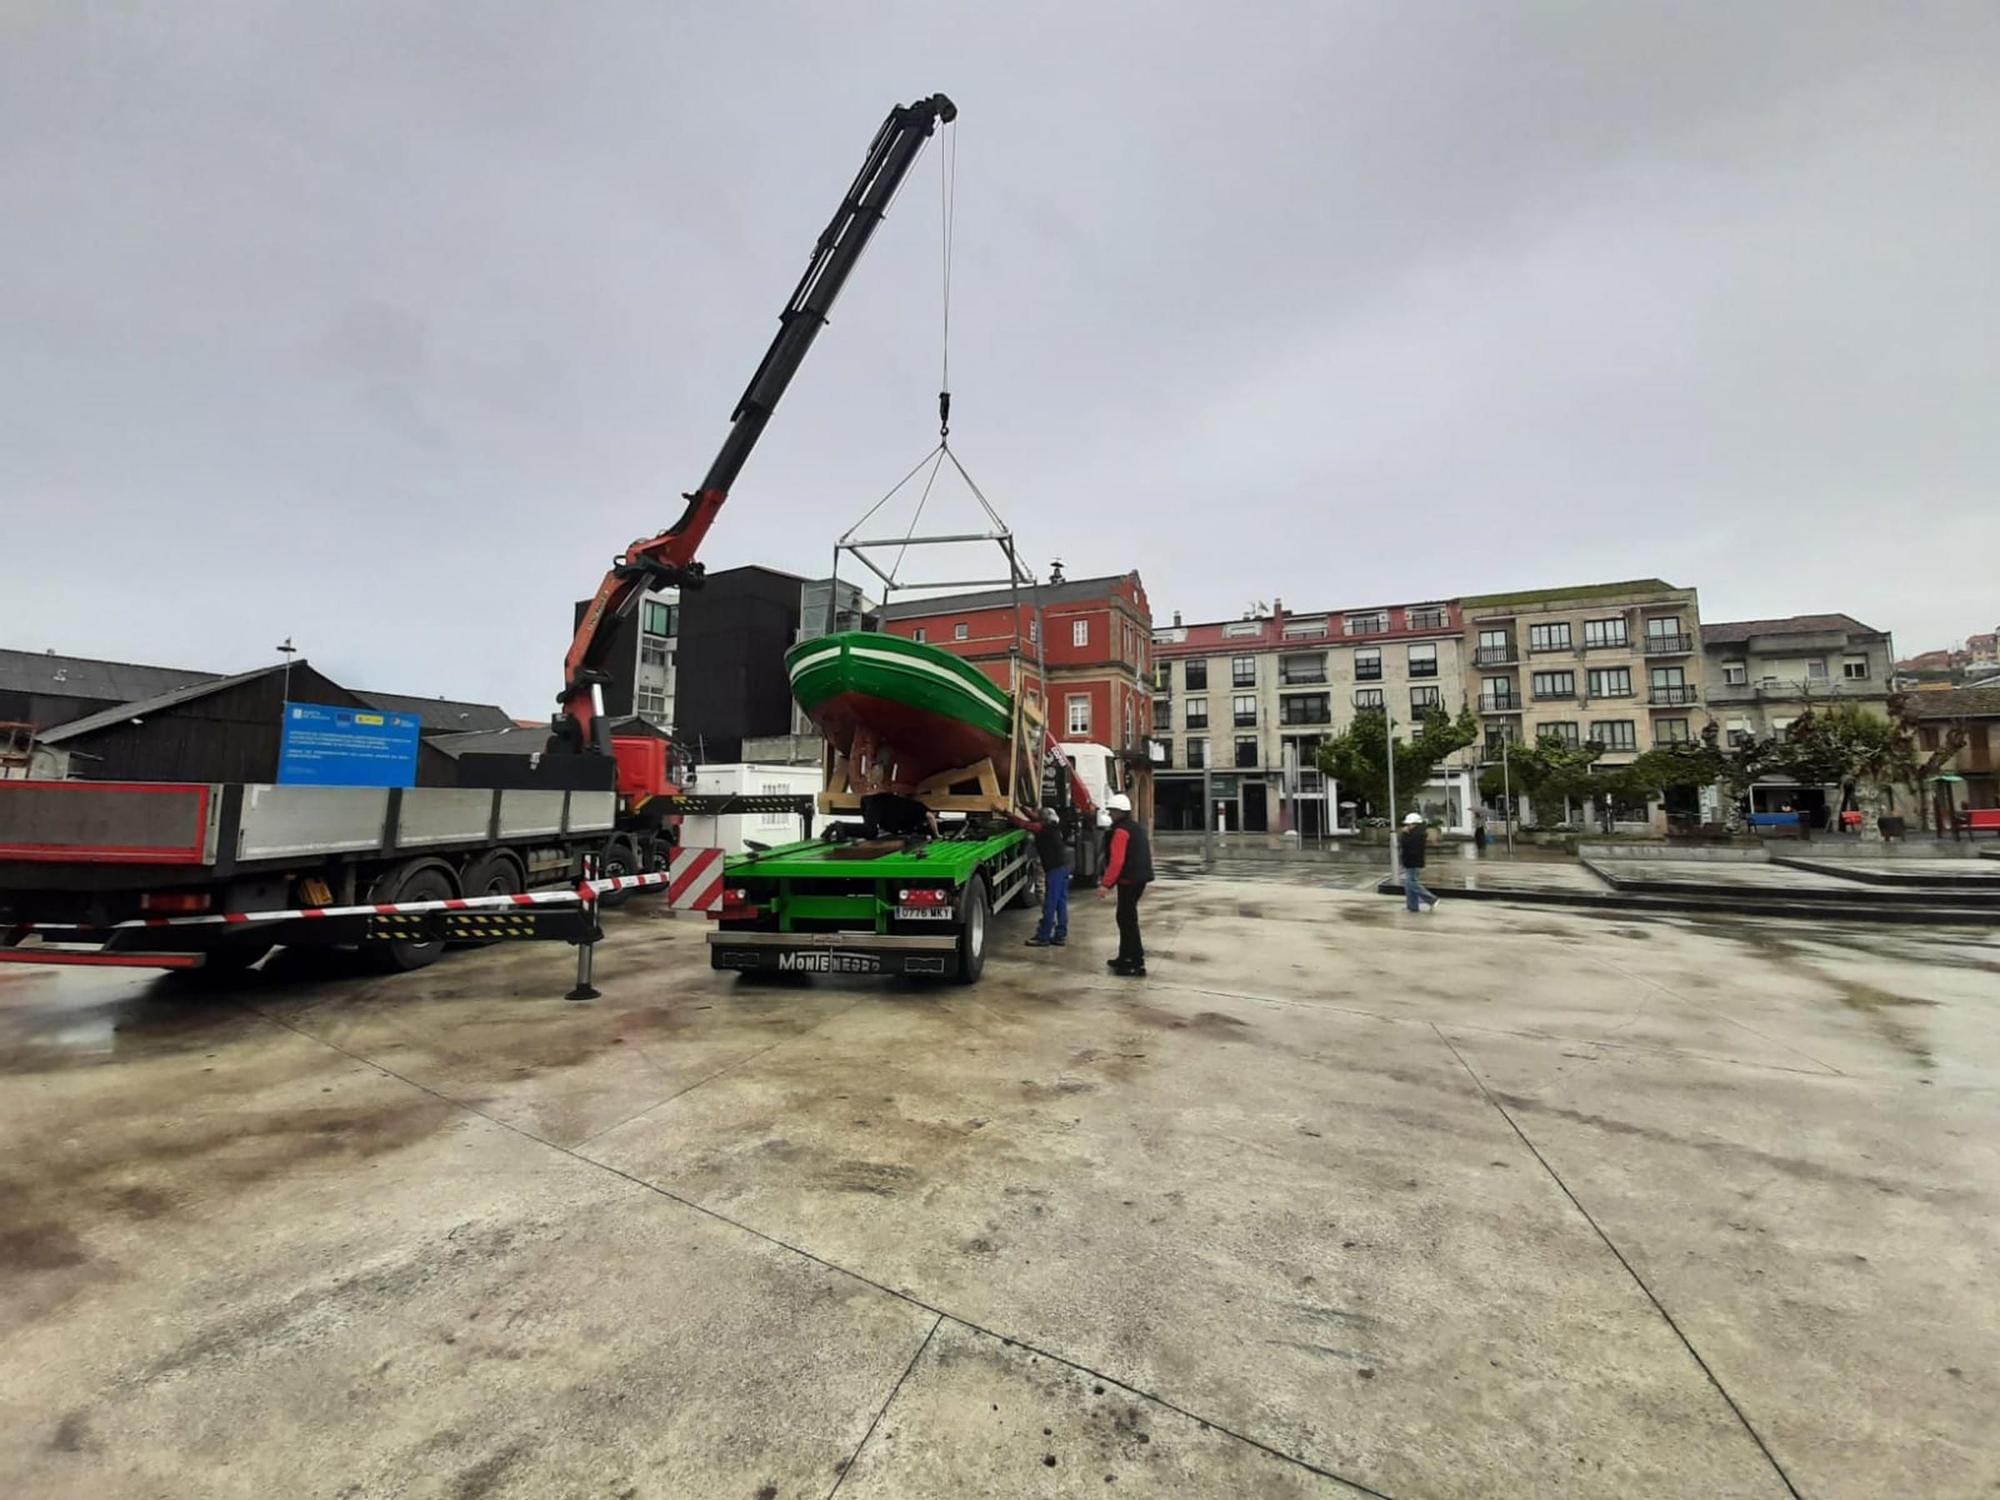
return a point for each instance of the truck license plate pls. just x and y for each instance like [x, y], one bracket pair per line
[924, 914]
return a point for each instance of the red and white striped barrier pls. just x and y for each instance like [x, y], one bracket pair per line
[693, 879]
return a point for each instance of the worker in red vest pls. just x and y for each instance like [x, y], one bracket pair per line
[1128, 870]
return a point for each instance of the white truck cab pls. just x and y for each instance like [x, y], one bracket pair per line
[1098, 768]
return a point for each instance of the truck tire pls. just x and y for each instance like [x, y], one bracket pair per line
[424, 881]
[495, 874]
[619, 858]
[973, 931]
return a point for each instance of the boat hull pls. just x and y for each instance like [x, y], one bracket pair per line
[913, 711]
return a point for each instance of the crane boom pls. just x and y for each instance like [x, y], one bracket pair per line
[667, 560]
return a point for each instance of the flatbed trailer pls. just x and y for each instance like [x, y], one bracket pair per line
[891, 907]
[177, 875]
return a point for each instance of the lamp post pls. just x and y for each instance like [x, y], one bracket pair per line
[288, 651]
[1507, 786]
[1389, 759]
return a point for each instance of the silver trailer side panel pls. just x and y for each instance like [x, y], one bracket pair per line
[433, 815]
[163, 823]
[531, 815]
[282, 822]
[593, 812]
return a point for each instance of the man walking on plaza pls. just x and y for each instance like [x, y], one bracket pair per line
[1053, 851]
[1128, 870]
[1411, 849]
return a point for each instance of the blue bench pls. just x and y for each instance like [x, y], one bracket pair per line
[1774, 820]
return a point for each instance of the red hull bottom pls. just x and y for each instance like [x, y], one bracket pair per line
[916, 745]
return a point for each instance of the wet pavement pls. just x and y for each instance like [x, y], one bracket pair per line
[1500, 1201]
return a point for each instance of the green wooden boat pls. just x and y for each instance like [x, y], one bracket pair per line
[902, 705]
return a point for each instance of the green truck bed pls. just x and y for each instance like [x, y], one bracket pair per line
[815, 908]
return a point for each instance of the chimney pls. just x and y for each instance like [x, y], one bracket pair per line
[1277, 605]
[1177, 619]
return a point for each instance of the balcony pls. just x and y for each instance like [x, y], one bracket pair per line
[1495, 656]
[1317, 715]
[1669, 645]
[1620, 643]
[1555, 695]
[1670, 696]
[1499, 703]
[1303, 676]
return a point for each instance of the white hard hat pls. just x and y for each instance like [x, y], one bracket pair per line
[1118, 802]
[1409, 818]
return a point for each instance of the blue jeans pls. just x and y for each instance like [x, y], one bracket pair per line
[1055, 907]
[1413, 889]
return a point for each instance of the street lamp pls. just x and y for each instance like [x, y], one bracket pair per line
[1389, 758]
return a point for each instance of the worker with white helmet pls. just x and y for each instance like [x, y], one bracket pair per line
[1128, 870]
[1411, 849]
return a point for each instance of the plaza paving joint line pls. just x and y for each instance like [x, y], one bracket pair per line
[894, 1391]
[1630, 1270]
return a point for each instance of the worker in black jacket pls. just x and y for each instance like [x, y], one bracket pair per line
[1053, 851]
[1411, 848]
[1128, 870]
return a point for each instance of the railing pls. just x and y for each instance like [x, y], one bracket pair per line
[1423, 669]
[1671, 695]
[1554, 695]
[1424, 619]
[1548, 647]
[1669, 645]
[1302, 677]
[1368, 674]
[1307, 717]
[1494, 656]
[1499, 703]
[1620, 643]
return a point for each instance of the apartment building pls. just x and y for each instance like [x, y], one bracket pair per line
[640, 658]
[1619, 663]
[1762, 674]
[1249, 702]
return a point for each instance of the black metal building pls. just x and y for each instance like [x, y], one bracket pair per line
[734, 632]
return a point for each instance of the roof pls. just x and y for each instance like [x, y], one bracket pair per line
[139, 708]
[513, 739]
[1577, 591]
[1070, 591]
[55, 676]
[440, 715]
[1981, 701]
[1735, 632]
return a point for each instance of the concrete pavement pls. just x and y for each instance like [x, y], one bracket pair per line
[1496, 1202]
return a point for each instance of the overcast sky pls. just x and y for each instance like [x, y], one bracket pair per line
[385, 325]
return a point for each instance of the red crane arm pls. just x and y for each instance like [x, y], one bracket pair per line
[667, 560]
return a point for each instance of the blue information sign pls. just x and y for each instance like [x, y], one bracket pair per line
[326, 746]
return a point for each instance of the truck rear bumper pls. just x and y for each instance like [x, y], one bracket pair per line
[100, 958]
[834, 953]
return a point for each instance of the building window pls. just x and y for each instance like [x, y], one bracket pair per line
[1305, 708]
[1927, 736]
[1197, 754]
[1498, 736]
[1423, 699]
[1197, 675]
[1163, 678]
[1553, 684]
[1197, 713]
[1035, 630]
[1664, 627]
[1610, 682]
[1369, 624]
[1494, 648]
[961, 631]
[1497, 695]
[917, 635]
[1669, 686]
[1302, 671]
[1163, 715]
[1735, 674]
[1243, 671]
[653, 652]
[1079, 632]
[1739, 732]
[1423, 661]
[1127, 741]
[1368, 698]
[1816, 669]
[1615, 734]
[1425, 617]
[652, 705]
[1243, 709]
[1565, 730]
[1671, 732]
[1079, 713]
[1246, 752]
[1240, 629]
[1300, 629]
[1368, 664]
[1609, 632]
[658, 619]
[1854, 669]
[1549, 637]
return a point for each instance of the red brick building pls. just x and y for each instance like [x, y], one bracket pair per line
[1098, 649]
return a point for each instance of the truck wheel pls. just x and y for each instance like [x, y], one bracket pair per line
[619, 858]
[425, 882]
[972, 931]
[491, 875]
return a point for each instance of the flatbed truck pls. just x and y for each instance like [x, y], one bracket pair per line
[830, 906]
